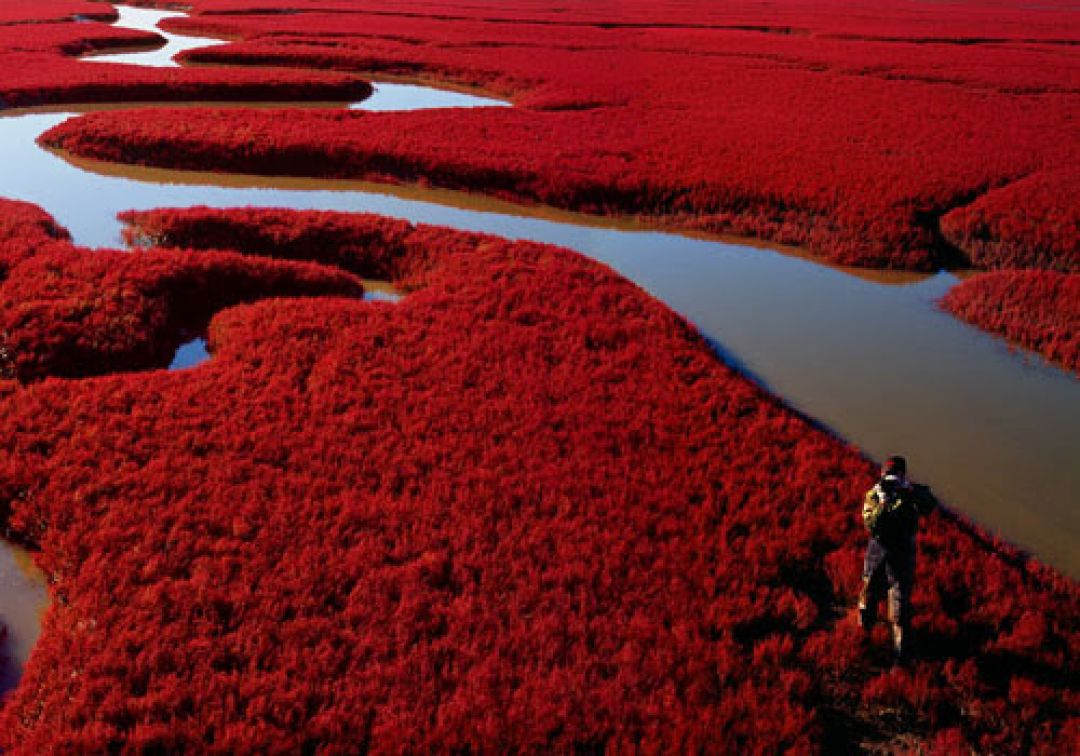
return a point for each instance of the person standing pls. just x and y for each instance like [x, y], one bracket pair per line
[891, 512]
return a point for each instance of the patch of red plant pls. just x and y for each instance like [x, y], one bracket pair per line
[374, 248]
[44, 79]
[959, 23]
[41, 66]
[1038, 309]
[18, 12]
[63, 38]
[26, 229]
[850, 134]
[1032, 223]
[525, 508]
[74, 313]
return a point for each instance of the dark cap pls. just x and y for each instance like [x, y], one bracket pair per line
[894, 466]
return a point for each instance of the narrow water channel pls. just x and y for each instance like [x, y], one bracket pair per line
[995, 431]
[147, 19]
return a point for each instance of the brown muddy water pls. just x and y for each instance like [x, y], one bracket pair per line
[995, 430]
[23, 599]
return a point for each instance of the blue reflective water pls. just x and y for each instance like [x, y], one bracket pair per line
[190, 354]
[391, 96]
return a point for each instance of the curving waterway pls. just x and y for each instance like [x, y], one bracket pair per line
[995, 431]
[147, 19]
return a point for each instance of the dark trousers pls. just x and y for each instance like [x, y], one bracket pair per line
[888, 566]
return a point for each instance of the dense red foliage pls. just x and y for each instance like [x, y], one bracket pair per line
[989, 21]
[869, 141]
[848, 132]
[375, 248]
[77, 313]
[24, 230]
[523, 508]
[42, 79]
[1029, 68]
[1038, 309]
[69, 39]
[41, 66]
[19, 12]
[1033, 223]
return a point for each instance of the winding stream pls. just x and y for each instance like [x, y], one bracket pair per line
[994, 430]
[147, 19]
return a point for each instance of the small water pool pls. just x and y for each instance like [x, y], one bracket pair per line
[190, 354]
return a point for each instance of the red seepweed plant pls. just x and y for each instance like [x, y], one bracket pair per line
[853, 136]
[914, 137]
[523, 508]
[1038, 309]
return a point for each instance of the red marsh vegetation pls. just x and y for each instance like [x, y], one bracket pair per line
[912, 137]
[1032, 223]
[70, 313]
[523, 508]
[850, 133]
[19, 12]
[1040, 310]
[26, 229]
[40, 66]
